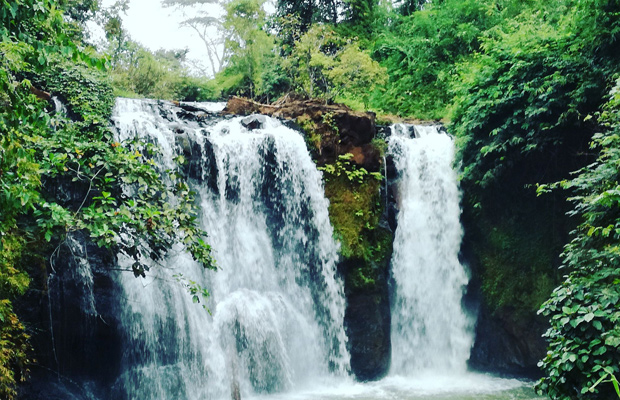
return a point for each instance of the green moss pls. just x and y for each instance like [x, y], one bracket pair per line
[518, 254]
[312, 136]
[365, 274]
[516, 268]
[355, 211]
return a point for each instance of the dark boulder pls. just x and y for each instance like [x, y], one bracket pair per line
[254, 122]
[508, 345]
[367, 321]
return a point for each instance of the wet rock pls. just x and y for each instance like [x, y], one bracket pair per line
[367, 321]
[190, 108]
[254, 122]
[81, 339]
[182, 140]
[506, 346]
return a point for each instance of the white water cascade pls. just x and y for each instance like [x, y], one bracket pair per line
[277, 306]
[431, 332]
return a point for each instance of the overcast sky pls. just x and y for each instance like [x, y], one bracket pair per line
[156, 27]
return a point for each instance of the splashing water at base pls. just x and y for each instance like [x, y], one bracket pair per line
[424, 387]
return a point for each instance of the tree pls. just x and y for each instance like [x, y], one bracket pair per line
[359, 17]
[310, 11]
[408, 7]
[248, 45]
[356, 74]
[205, 20]
[118, 40]
[323, 64]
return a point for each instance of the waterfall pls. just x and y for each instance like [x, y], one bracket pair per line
[276, 304]
[431, 332]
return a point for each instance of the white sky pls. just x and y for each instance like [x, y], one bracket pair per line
[156, 27]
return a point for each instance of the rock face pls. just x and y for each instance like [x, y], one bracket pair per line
[508, 339]
[254, 122]
[367, 321]
[338, 129]
[73, 317]
[505, 347]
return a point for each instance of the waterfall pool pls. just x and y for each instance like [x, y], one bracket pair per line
[468, 386]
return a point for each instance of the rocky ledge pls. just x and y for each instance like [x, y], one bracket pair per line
[335, 128]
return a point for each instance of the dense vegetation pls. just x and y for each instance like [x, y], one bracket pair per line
[64, 172]
[525, 86]
[585, 310]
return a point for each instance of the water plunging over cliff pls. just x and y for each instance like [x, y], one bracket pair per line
[277, 306]
[276, 329]
[431, 332]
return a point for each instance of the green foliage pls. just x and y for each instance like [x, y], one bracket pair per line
[192, 88]
[408, 7]
[139, 72]
[323, 64]
[14, 349]
[345, 168]
[274, 79]
[609, 378]
[162, 75]
[529, 90]
[60, 174]
[355, 75]
[585, 310]
[511, 109]
[84, 90]
[354, 17]
[420, 52]
[360, 19]
[249, 47]
[308, 12]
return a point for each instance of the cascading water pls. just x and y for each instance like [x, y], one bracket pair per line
[277, 306]
[431, 332]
